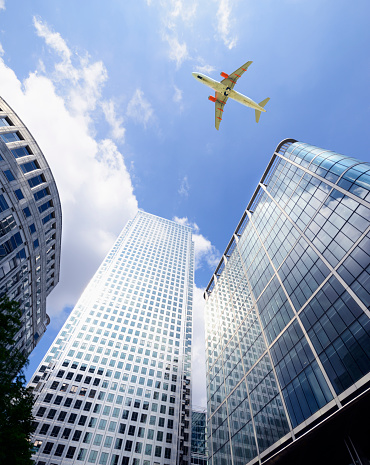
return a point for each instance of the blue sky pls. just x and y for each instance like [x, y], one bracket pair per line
[106, 90]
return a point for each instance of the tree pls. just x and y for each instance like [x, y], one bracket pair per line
[16, 401]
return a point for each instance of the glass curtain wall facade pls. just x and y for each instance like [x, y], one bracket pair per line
[199, 452]
[287, 309]
[115, 387]
[30, 227]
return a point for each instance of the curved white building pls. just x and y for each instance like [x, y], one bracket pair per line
[30, 226]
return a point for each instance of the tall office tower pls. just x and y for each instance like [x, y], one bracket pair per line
[288, 330]
[30, 227]
[199, 453]
[114, 387]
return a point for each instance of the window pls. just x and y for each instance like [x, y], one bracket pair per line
[48, 398]
[48, 447]
[55, 431]
[97, 439]
[102, 424]
[92, 456]
[21, 152]
[81, 454]
[26, 212]
[77, 435]
[36, 180]
[41, 193]
[87, 438]
[37, 444]
[11, 137]
[68, 402]
[59, 450]
[131, 430]
[167, 453]
[72, 418]
[128, 446]
[19, 194]
[41, 411]
[82, 420]
[44, 428]
[87, 406]
[122, 428]
[118, 443]
[112, 426]
[66, 433]
[70, 452]
[62, 416]
[45, 206]
[36, 243]
[29, 166]
[5, 121]
[77, 404]
[158, 451]
[108, 441]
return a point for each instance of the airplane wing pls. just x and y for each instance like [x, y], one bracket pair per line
[233, 77]
[219, 108]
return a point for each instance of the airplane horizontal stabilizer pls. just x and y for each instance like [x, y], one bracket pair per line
[261, 104]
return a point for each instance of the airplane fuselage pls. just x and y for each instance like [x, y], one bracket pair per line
[226, 91]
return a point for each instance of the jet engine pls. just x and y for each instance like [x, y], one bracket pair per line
[212, 99]
[224, 75]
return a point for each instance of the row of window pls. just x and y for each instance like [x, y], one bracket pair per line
[148, 450]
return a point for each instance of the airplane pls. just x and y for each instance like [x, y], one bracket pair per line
[224, 90]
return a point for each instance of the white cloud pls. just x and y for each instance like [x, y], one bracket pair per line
[177, 97]
[206, 69]
[178, 10]
[184, 187]
[1, 49]
[115, 121]
[2, 4]
[81, 84]
[225, 23]
[175, 15]
[139, 108]
[204, 251]
[178, 52]
[53, 39]
[94, 185]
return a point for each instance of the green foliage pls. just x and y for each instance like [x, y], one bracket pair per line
[16, 400]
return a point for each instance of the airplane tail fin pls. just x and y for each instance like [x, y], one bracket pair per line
[261, 104]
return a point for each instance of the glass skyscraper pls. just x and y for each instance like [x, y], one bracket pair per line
[287, 317]
[115, 387]
[30, 227]
[199, 453]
